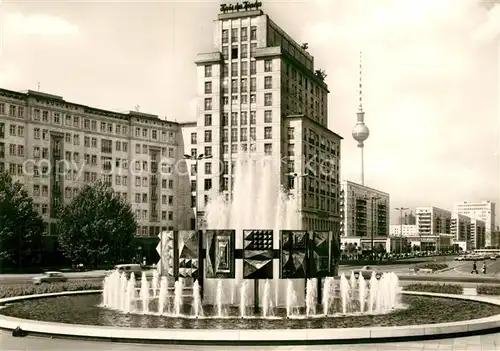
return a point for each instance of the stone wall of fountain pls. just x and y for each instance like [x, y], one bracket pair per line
[339, 297]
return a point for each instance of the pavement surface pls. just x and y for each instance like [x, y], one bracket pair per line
[490, 342]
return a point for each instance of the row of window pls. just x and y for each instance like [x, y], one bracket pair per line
[143, 215]
[91, 125]
[268, 100]
[239, 34]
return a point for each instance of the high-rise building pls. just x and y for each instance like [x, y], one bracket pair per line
[477, 233]
[460, 229]
[409, 219]
[435, 225]
[364, 210]
[483, 210]
[259, 92]
[54, 147]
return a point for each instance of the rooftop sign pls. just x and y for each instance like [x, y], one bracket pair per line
[240, 6]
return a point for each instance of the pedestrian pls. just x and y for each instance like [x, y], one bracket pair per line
[483, 269]
[474, 268]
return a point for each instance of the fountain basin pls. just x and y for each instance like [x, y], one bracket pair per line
[255, 336]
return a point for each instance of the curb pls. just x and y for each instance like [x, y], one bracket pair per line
[256, 337]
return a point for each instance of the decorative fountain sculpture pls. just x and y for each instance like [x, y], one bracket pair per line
[218, 272]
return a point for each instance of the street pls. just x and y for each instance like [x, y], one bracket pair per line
[492, 267]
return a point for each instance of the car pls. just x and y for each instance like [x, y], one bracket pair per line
[493, 257]
[460, 258]
[128, 269]
[50, 277]
[366, 272]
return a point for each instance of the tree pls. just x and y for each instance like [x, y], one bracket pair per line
[21, 226]
[97, 226]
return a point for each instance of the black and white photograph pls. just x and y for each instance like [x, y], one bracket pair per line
[249, 175]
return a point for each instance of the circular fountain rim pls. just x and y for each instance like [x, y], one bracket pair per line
[253, 336]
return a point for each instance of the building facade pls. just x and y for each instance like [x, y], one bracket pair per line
[434, 224]
[364, 210]
[409, 219]
[478, 233]
[483, 210]
[460, 229]
[258, 92]
[54, 147]
[409, 230]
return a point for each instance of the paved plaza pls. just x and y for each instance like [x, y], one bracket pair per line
[490, 342]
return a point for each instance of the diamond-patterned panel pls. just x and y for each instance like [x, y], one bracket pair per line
[319, 263]
[188, 249]
[165, 250]
[293, 255]
[220, 253]
[258, 254]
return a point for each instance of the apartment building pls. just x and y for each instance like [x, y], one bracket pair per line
[460, 229]
[365, 211]
[477, 233]
[434, 224]
[483, 210]
[54, 147]
[408, 230]
[259, 92]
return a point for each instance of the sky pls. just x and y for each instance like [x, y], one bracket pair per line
[431, 76]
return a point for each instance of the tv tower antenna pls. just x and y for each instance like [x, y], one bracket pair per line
[361, 132]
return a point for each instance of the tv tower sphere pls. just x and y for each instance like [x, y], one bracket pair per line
[360, 133]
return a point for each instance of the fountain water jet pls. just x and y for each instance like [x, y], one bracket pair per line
[311, 290]
[178, 302]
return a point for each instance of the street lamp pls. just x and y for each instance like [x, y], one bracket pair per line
[401, 209]
[196, 159]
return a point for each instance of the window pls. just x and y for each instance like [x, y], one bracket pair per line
[208, 87]
[225, 52]
[244, 118]
[253, 84]
[253, 33]
[253, 117]
[225, 36]
[208, 136]
[208, 120]
[268, 149]
[234, 52]
[243, 134]
[208, 71]
[208, 103]
[268, 65]
[193, 138]
[268, 116]
[225, 119]
[268, 99]
[244, 34]
[234, 86]
[225, 70]
[244, 85]
[253, 48]
[234, 69]
[208, 151]
[234, 34]
[234, 118]
[291, 133]
[244, 51]
[253, 67]
[244, 68]
[268, 82]
[208, 184]
[208, 168]
[234, 134]
[268, 132]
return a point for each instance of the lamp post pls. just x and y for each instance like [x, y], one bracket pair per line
[196, 159]
[401, 209]
[373, 202]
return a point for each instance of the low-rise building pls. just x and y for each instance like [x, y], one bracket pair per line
[408, 230]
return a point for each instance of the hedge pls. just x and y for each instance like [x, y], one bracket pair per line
[433, 266]
[456, 289]
[32, 289]
[488, 290]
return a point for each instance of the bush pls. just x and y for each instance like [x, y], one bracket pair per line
[433, 266]
[32, 289]
[488, 290]
[436, 288]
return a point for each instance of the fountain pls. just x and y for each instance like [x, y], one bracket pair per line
[224, 280]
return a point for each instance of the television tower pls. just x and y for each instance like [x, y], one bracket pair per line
[361, 132]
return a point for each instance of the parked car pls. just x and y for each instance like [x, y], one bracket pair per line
[367, 272]
[493, 257]
[460, 258]
[50, 277]
[128, 269]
